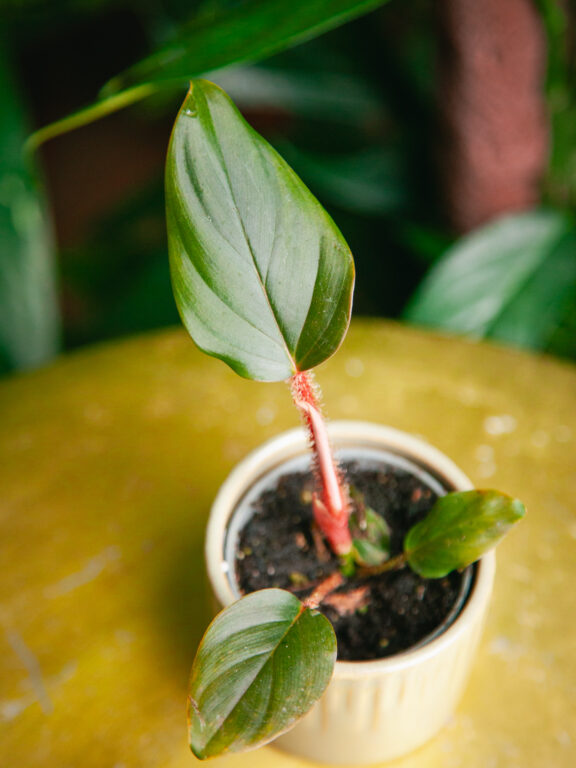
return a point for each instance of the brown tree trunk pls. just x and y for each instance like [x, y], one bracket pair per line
[494, 138]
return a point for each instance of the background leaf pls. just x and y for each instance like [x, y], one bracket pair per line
[458, 530]
[29, 316]
[371, 181]
[216, 37]
[244, 32]
[559, 20]
[353, 111]
[304, 88]
[513, 280]
[262, 277]
[261, 665]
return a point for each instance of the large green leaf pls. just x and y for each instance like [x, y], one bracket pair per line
[249, 31]
[262, 277]
[513, 280]
[458, 530]
[29, 317]
[261, 665]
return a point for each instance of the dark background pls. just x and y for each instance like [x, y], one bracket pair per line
[419, 126]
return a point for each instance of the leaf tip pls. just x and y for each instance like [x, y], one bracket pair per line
[193, 716]
[518, 508]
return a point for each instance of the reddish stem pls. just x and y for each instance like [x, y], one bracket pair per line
[324, 589]
[331, 504]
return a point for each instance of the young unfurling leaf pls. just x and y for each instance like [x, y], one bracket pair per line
[371, 544]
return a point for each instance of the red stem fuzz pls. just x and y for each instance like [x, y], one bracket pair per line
[331, 504]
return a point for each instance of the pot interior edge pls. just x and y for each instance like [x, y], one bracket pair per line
[292, 451]
[299, 460]
[297, 457]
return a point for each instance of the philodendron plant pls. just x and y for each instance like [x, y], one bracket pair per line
[263, 280]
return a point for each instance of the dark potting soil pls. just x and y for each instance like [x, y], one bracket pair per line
[398, 608]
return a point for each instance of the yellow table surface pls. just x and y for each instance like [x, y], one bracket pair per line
[108, 464]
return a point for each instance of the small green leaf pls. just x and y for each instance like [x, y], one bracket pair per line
[261, 665]
[262, 277]
[458, 530]
[368, 553]
[373, 546]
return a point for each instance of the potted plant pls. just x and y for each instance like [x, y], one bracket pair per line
[263, 280]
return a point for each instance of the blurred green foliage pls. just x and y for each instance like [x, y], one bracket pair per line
[29, 324]
[352, 109]
[560, 24]
[512, 280]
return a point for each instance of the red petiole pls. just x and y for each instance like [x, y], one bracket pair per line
[331, 503]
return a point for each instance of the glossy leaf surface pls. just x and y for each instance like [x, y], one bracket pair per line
[513, 280]
[458, 530]
[262, 277]
[261, 665]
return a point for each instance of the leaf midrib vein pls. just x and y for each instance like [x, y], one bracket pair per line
[266, 658]
[227, 305]
[248, 243]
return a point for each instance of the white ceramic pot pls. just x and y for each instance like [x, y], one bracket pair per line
[372, 710]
